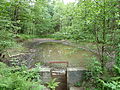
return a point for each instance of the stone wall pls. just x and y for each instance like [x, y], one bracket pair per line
[75, 75]
[45, 74]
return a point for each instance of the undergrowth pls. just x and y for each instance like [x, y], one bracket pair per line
[19, 78]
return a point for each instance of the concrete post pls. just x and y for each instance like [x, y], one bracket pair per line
[45, 74]
[75, 75]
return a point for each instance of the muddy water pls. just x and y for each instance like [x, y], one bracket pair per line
[51, 51]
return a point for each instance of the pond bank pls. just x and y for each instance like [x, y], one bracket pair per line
[32, 51]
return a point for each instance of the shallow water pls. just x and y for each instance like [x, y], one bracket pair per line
[51, 51]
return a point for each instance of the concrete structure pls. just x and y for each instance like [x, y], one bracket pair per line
[75, 75]
[45, 74]
[76, 88]
[46, 89]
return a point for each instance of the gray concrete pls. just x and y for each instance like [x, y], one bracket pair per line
[46, 89]
[74, 75]
[45, 74]
[76, 88]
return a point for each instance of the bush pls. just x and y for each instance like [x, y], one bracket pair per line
[100, 79]
[6, 40]
[19, 78]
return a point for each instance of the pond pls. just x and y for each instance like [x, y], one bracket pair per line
[56, 51]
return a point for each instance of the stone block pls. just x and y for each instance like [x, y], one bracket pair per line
[45, 74]
[46, 88]
[75, 75]
[76, 88]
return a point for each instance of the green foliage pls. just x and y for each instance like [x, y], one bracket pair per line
[97, 78]
[112, 85]
[26, 17]
[117, 70]
[86, 20]
[26, 37]
[19, 78]
[78, 84]
[6, 40]
[52, 84]
[108, 85]
[118, 55]
[95, 67]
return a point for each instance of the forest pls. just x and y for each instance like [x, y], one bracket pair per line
[81, 21]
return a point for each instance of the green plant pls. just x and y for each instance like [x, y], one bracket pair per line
[52, 84]
[78, 84]
[95, 67]
[117, 69]
[108, 85]
[6, 40]
[19, 78]
[97, 78]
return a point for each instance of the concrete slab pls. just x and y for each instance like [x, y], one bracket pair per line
[45, 74]
[76, 69]
[46, 88]
[76, 88]
[45, 69]
[75, 75]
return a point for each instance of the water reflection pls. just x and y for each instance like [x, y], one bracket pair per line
[59, 52]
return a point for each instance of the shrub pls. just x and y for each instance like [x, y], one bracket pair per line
[5, 40]
[19, 78]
